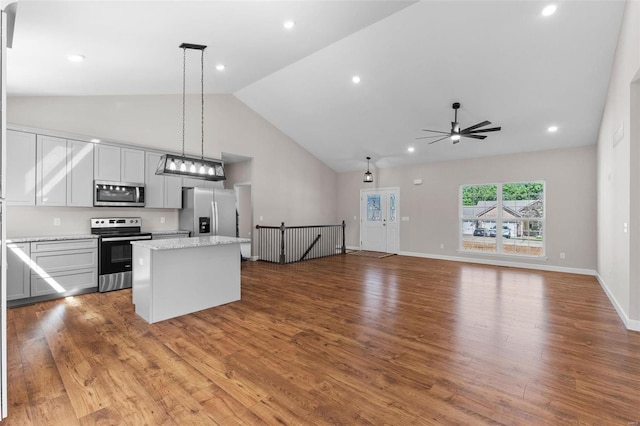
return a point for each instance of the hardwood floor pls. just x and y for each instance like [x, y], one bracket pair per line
[342, 340]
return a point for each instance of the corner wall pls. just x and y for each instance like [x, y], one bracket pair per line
[618, 180]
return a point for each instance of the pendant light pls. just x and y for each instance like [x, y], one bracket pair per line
[368, 176]
[182, 165]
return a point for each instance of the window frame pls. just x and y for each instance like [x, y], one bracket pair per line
[499, 220]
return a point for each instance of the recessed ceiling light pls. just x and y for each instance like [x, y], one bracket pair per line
[220, 67]
[288, 25]
[356, 79]
[549, 10]
[411, 149]
[94, 140]
[75, 58]
[552, 129]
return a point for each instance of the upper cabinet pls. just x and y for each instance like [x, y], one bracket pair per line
[118, 164]
[131, 165]
[64, 172]
[161, 191]
[79, 174]
[51, 171]
[21, 170]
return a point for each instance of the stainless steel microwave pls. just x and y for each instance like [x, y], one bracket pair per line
[118, 194]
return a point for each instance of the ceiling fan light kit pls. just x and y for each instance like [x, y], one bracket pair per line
[455, 134]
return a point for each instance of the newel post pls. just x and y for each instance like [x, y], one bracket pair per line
[344, 247]
[282, 255]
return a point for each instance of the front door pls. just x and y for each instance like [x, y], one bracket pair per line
[379, 216]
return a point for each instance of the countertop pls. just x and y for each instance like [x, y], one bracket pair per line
[180, 243]
[50, 238]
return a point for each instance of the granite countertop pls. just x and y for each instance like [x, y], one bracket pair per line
[180, 243]
[50, 238]
[169, 232]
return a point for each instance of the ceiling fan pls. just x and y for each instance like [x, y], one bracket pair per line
[455, 134]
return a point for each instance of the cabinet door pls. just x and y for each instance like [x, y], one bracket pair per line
[132, 165]
[106, 162]
[18, 273]
[154, 185]
[79, 174]
[51, 171]
[21, 168]
[172, 192]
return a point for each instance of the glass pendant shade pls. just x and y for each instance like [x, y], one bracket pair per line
[196, 170]
[368, 176]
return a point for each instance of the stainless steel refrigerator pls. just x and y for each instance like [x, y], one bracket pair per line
[208, 211]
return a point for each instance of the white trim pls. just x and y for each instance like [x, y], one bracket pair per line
[633, 325]
[503, 255]
[493, 262]
[353, 247]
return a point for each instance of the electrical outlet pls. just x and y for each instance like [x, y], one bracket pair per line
[56, 221]
[441, 245]
[260, 218]
[162, 219]
[562, 255]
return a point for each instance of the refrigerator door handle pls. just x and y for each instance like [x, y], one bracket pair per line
[214, 210]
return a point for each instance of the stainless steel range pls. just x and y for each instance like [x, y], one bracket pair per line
[116, 234]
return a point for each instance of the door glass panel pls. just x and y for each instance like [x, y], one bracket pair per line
[392, 208]
[374, 214]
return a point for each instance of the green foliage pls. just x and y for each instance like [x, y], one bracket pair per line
[510, 191]
[522, 191]
[472, 194]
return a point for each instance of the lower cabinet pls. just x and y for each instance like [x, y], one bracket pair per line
[49, 269]
[18, 271]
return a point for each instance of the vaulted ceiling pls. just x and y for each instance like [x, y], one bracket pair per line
[502, 60]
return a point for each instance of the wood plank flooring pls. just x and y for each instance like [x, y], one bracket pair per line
[343, 340]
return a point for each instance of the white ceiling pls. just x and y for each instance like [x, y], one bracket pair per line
[501, 59]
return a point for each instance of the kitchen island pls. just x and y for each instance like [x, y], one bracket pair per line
[179, 276]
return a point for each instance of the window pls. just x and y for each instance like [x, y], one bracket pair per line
[505, 218]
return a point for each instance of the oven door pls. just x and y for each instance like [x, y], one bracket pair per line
[115, 253]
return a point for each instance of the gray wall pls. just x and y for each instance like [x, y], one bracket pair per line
[289, 184]
[619, 176]
[432, 207]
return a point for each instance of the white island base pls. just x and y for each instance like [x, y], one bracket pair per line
[181, 276]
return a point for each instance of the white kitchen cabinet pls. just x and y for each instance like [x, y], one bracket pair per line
[79, 174]
[51, 171]
[21, 170]
[160, 191]
[118, 164]
[18, 271]
[200, 183]
[131, 165]
[106, 163]
[69, 266]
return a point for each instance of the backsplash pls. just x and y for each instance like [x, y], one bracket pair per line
[23, 221]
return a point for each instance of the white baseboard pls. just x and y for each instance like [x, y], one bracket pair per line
[353, 248]
[630, 324]
[496, 262]
[254, 258]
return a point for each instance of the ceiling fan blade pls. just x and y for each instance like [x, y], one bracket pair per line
[432, 136]
[435, 131]
[475, 126]
[438, 140]
[474, 136]
[492, 129]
